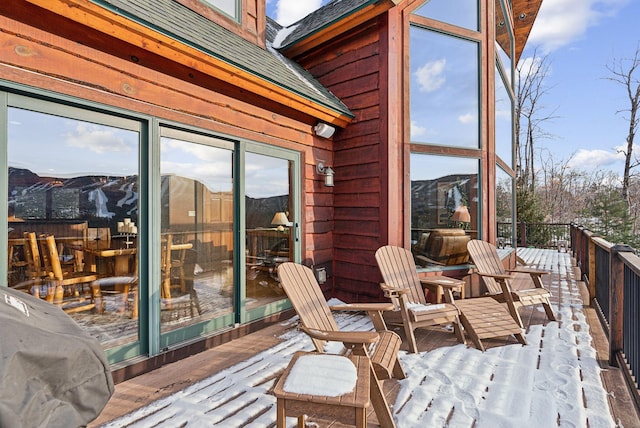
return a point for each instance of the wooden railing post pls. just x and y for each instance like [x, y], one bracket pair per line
[522, 234]
[616, 301]
[592, 269]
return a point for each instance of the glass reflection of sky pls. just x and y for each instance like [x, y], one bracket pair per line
[266, 176]
[208, 165]
[463, 13]
[431, 167]
[506, 62]
[444, 89]
[227, 6]
[504, 123]
[62, 147]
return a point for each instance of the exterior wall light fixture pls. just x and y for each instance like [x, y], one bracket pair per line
[327, 172]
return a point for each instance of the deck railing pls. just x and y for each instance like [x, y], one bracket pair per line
[538, 235]
[612, 273]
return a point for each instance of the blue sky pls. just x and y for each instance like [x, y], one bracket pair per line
[580, 38]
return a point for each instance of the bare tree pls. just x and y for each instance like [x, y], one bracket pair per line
[623, 71]
[530, 89]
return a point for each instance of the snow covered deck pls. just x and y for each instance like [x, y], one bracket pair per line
[553, 381]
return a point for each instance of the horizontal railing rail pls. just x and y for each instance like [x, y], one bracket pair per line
[538, 235]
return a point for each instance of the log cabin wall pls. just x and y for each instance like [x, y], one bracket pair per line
[352, 67]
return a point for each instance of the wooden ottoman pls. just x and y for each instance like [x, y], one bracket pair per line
[310, 382]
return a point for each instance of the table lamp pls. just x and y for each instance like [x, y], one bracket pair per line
[461, 216]
[280, 220]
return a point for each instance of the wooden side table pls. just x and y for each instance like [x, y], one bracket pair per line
[349, 408]
[438, 284]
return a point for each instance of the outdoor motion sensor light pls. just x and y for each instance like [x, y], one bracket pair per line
[323, 130]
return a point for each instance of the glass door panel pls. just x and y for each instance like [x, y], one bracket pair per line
[72, 186]
[196, 242]
[270, 228]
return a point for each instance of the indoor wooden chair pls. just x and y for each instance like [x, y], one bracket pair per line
[481, 318]
[173, 275]
[35, 270]
[380, 346]
[71, 291]
[498, 280]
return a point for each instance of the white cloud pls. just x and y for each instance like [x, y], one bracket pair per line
[596, 159]
[467, 118]
[431, 75]
[417, 130]
[98, 139]
[561, 22]
[290, 11]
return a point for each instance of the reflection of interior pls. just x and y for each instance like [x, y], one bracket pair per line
[267, 248]
[443, 247]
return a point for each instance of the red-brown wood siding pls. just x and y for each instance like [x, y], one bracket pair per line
[351, 69]
[104, 73]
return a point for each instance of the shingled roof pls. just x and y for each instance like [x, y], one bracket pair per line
[322, 18]
[174, 20]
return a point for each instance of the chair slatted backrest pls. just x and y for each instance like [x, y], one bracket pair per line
[485, 257]
[32, 255]
[398, 270]
[306, 297]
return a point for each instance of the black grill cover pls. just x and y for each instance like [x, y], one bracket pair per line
[52, 373]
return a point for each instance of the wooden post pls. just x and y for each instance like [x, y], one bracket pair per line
[616, 301]
[522, 234]
[592, 270]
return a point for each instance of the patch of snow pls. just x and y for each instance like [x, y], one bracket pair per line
[282, 36]
[553, 381]
[322, 374]
[419, 307]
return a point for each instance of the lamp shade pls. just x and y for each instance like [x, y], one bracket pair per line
[280, 219]
[461, 214]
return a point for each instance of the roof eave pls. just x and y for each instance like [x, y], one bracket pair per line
[524, 16]
[368, 11]
[115, 25]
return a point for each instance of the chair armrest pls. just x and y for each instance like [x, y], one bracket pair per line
[356, 337]
[530, 271]
[363, 307]
[393, 292]
[496, 275]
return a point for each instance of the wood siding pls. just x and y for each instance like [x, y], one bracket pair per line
[103, 72]
[352, 68]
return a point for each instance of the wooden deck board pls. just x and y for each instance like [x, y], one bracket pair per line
[145, 389]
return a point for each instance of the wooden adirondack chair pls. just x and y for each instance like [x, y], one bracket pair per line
[498, 280]
[481, 317]
[317, 321]
[402, 285]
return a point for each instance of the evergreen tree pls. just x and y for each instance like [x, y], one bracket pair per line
[608, 216]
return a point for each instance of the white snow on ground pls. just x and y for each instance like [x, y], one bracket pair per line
[553, 381]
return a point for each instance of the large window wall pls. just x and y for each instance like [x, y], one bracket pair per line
[453, 132]
[504, 124]
[148, 234]
[445, 138]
